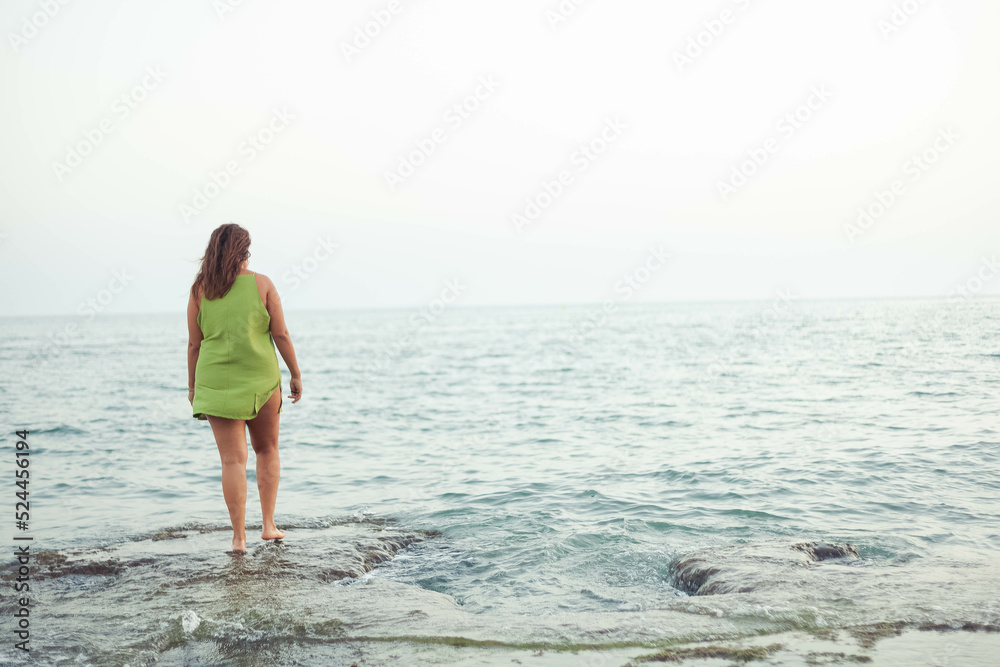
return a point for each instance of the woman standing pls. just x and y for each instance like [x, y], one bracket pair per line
[234, 323]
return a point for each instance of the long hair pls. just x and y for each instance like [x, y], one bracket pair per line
[228, 246]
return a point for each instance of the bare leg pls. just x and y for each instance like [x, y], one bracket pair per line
[230, 436]
[264, 438]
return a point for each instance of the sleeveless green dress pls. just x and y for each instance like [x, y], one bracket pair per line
[237, 369]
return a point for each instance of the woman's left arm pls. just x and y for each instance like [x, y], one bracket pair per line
[194, 344]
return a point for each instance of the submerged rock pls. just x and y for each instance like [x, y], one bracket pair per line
[746, 568]
[694, 577]
[825, 550]
[186, 555]
[53, 564]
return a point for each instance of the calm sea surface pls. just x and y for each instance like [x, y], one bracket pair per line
[528, 478]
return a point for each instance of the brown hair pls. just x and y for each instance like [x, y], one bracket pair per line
[228, 246]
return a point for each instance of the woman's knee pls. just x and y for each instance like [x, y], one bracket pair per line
[234, 458]
[263, 436]
[266, 448]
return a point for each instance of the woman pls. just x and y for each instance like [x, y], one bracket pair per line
[234, 322]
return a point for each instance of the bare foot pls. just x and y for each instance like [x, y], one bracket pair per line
[240, 543]
[271, 532]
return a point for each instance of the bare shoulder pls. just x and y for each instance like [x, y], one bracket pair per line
[265, 282]
[268, 292]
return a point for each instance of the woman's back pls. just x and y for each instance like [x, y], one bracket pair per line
[237, 367]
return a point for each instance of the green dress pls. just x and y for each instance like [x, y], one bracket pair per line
[237, 369]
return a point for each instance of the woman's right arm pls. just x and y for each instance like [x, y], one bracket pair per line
[283, 340]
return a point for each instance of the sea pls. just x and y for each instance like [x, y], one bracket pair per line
[515, 485]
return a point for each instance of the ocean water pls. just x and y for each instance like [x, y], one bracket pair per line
[522, 476]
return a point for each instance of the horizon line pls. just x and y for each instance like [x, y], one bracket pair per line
[545, 305]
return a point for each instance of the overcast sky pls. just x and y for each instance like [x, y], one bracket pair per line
[534, 156]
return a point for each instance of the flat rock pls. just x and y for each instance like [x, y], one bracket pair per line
[746, 568]
[340, 550]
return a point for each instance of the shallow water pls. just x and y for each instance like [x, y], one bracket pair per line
[552, 477]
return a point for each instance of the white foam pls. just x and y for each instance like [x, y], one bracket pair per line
[190, 621]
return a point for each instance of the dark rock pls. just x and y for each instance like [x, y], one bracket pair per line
[691, 575]
[746, 568]
[818, 551]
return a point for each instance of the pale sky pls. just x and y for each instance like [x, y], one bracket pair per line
[115, 113]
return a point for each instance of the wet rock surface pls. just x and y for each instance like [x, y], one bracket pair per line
[818, 551]
[752, 567]
[330, 553]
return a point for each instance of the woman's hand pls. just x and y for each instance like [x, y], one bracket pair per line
[295, 386]
[191, 396]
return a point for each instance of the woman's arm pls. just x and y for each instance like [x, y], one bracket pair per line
[282, 339]
[194, 343]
